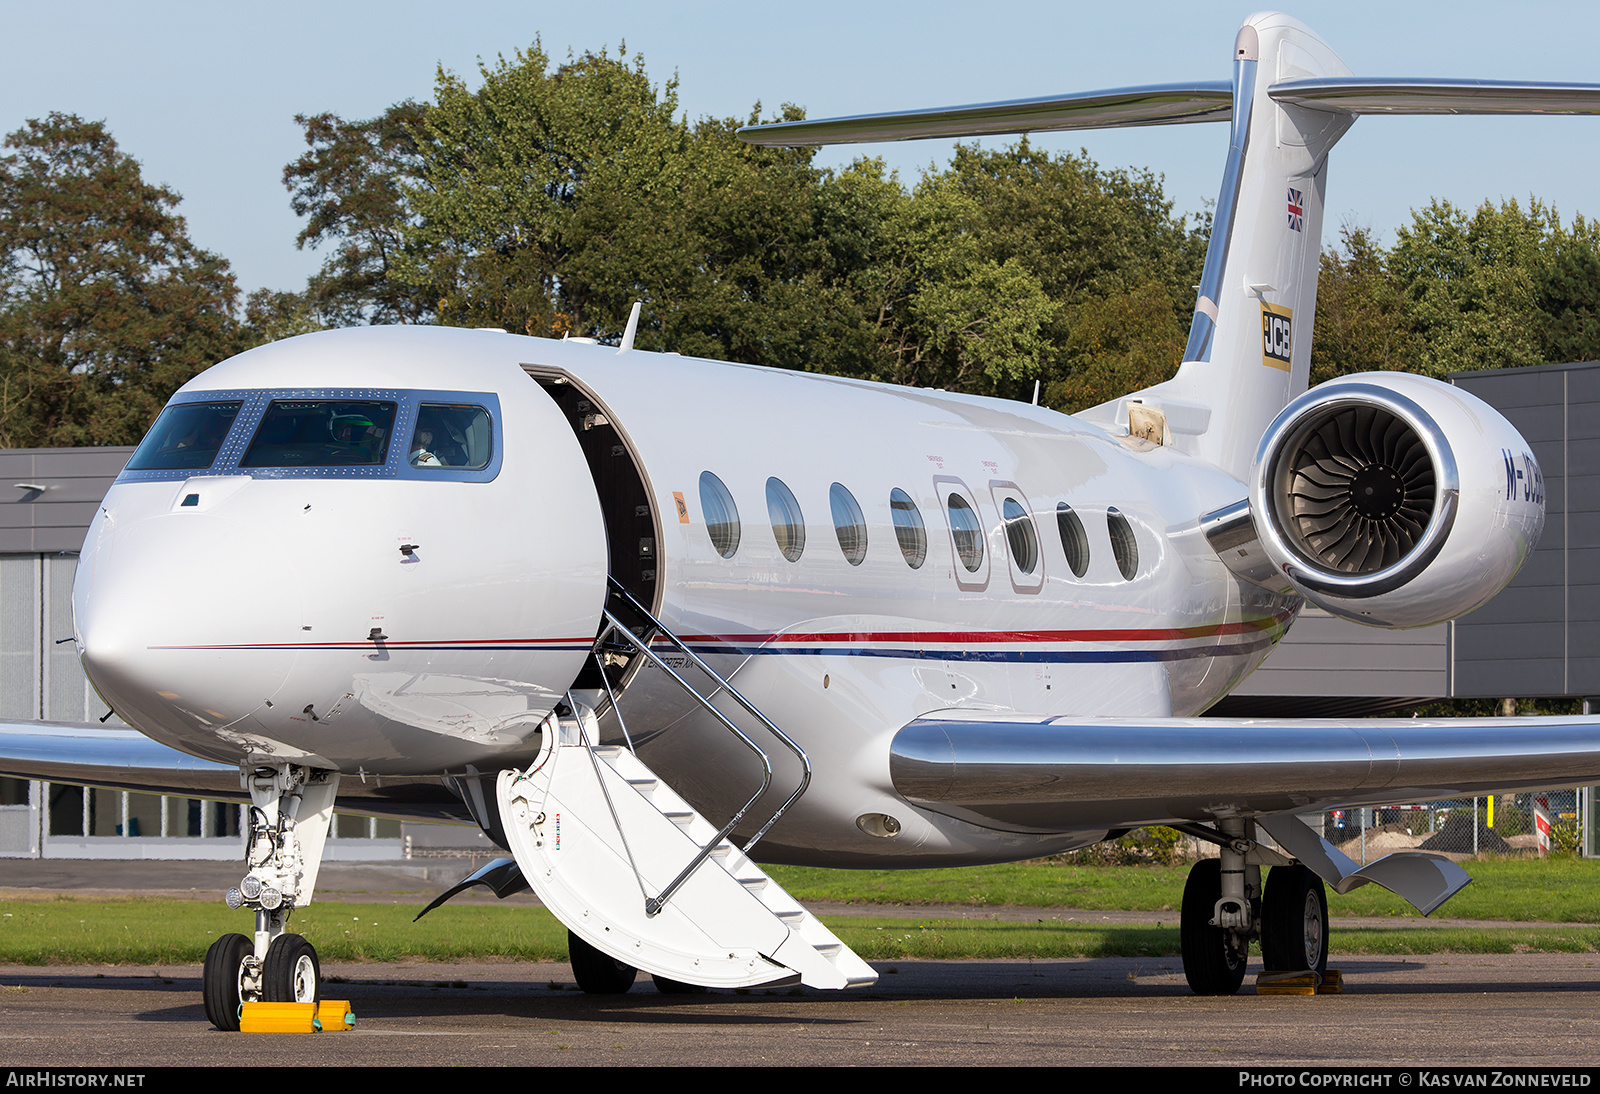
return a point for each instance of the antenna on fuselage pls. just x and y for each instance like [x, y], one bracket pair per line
[632, 328]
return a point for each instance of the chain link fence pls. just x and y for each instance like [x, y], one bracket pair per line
[1503, 824]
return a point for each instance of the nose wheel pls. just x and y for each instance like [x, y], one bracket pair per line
[228, 978]
[291, 973]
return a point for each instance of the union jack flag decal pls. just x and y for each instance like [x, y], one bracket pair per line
[1297, 210]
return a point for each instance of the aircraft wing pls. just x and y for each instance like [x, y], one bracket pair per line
[1038, 773]
[125, 759]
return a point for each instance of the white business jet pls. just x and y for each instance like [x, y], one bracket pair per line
[638, 615]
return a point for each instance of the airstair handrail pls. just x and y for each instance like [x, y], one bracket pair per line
[615, 625]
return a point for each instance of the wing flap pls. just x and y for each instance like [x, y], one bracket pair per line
[1422, 879]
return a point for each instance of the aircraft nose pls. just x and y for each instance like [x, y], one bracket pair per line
[165, 606]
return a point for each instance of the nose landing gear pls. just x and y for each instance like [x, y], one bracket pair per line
[290, 810]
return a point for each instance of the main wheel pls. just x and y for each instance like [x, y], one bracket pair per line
[598, 973]
[290, 974]
[221, 980]
[1211, 963]
[1294, 921]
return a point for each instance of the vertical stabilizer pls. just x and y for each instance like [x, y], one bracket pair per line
[1249, 349]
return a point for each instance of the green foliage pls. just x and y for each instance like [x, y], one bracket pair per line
[1154, 846]
[551, 197]
[106, 307]
[350, 188]
[1501, 288]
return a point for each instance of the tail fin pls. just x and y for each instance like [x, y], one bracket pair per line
[1249, 349]
[1291, 99]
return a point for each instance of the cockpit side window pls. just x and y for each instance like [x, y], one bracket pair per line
[451, 436]
[322, 433]
[186, 437]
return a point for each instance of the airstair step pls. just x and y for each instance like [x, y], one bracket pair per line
[587, 847]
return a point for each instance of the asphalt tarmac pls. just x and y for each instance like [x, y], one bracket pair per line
[1521, 1010]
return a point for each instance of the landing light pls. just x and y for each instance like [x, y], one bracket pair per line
[878, 824]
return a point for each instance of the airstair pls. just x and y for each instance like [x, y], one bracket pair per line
[634, 871]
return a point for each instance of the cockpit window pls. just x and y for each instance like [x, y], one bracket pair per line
[186, 437]
[450, 436]
[321, 433]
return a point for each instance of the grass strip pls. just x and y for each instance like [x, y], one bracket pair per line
[138, 932]
[1557, 890]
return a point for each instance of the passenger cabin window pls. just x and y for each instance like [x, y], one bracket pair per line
[187, 437]
[1124, 547]
[968, 533]
[849, 524]
[1020, 536]
[788, 523]
[451, 436]
[909, 531]
[722, 517]
[1074, 541]
[321, 433]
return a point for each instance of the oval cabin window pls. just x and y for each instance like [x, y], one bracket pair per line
[1074, 541]
[1020, 536]
[1124, 547]
[788, 523]
[967, 532]
[909, 531]
[849, 524]
[722, 516]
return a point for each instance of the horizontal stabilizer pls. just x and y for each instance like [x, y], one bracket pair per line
[1423, 880]
[1157, 104]
[1176, 104]
[1370, 95]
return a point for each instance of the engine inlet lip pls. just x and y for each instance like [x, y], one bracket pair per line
[1291, 428]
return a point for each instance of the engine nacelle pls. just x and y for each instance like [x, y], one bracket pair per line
[1395, 500]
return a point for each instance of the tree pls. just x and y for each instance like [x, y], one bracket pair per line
[1363, 323]
[106, 307]
[1570, 295]
[506, 172]
[1472, 284]
[350, 186]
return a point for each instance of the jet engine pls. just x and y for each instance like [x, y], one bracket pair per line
[1395, 500]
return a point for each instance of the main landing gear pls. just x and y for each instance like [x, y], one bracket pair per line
[1224, 908]
[289, 814]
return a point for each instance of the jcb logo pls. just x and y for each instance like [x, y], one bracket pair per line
[1277, 335]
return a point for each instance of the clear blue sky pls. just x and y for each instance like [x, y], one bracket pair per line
[204, 94]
